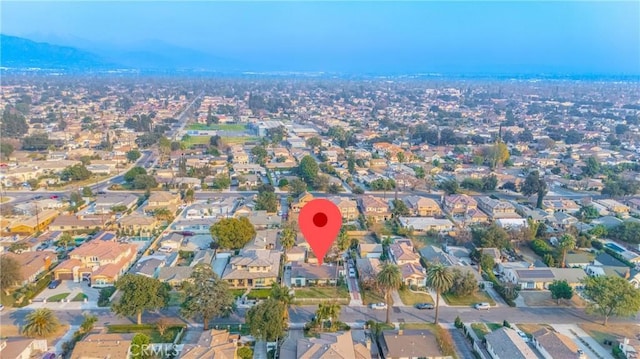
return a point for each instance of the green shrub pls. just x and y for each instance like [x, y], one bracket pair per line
[506, 324]
[458, 323]
[105, 294]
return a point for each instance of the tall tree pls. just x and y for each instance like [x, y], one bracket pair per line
[389, 279]
[611, 296]
[533, 184]
[308, 169]
[207, 296]
[560, 289]
[66, 240]
[566, 243]
[133, 155]
[233, 233]
[40, 323]
[440, 279]
[288, 237]
[140, 293]
[11, 273]
[266, 320]
[327, 311]
[283, 294]
[139, 346]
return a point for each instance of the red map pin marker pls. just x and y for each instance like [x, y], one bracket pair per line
[320, 221]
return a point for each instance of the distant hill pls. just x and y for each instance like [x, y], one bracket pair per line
[19, 52]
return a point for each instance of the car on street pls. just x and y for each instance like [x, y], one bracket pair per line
[54, 197]
[352, 273]
[422, 306]
[1, 307]
[54, 284]
[378, 306]
[523, 336]
[482, 306]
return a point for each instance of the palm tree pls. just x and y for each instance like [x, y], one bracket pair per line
[284, 296]
[163, 214]
[288, 237]
[328, 311]
[440, 279]
[65, 240]
[565, 243]
[40, 323]
[88, 323]
[389, 278]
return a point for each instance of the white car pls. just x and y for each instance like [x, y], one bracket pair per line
[523, 336]
[352, 273]
[379, 306]
[482, 306]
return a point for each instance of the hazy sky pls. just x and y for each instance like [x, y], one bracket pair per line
[558, 37]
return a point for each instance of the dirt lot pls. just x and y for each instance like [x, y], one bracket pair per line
[613, 332]
[8, 330]
[539, 298]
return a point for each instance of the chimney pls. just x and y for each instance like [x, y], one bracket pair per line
[400, 332]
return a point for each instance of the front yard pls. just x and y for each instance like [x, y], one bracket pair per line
[372, 296]
[477, 297]
[613, 332]
[542, 298]
[312, 295]
[482, 329]
[149, 329]
[412, 298]
[58, 297]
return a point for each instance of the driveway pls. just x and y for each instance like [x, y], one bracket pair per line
[583, 340]
[73, 289]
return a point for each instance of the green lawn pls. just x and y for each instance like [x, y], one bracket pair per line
[493, 326]
[411, 298]
[262, 293]
[80, 297]
[242, 329]
[196, 140]
[322, 292]
[480, 329]
[217, 127]
[7, 300]
[478, 297]
[372, 296]
[148, 329]
[239, 140]
[409, 326]
[57, 297]
[237, 292]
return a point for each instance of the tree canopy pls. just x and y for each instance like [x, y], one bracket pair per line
[233, 233]
[131, 174]
[133, 155]
[40, 323]
[11, 273]
[266, 320]
[560, 289]
[611, 296]
[308, 169]
[207, 296]
[140, 293]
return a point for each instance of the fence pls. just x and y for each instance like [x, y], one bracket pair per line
[468, 331]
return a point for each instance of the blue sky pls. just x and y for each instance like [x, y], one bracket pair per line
[464, 37]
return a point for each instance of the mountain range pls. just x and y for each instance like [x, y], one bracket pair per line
[22, 53]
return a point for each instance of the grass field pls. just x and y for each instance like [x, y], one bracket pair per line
[469, 300]
[57, 297]
[217, 127]
[322, 292]
[411, 298]
[196, 140]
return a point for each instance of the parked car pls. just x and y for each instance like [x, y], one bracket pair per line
[523, 336]
[378, 306]
[54, 197]
[424, 306]
[54, 284]
[1, 307]
[482, 306]
[352, 273]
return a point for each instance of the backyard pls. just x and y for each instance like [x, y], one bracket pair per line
[469, 300]
[411, 298]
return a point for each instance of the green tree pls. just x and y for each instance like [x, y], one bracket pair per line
[140, 293]
[592, 168]
[88, 322]
[463, 284]
[207, 296]
[260, 153]
[65, 240]
[221, 181]
[87, 192]
[288, 237]
[163, 214]
[233, 233]
[189, 195]
[133, 155]
[266, 320]
[401, 157]
[308, 169]
[389, 279]
[611, 296]
[450, 186]
[283, 183]
[399, 208]
[139, 345]
[565, 243]
[314, 142]
[560, 289]
[297, 187]
[40, 323]
[11, 273]
[267, 201]
[533, 184]
[131, 174]
[327, 311]
[145, 182]
[6, 149]
[76, 200]
[245, 353]
[491, 236]
[284, 295]
[75, 173]
[440, 279]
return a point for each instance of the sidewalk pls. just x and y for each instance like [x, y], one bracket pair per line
[65, 338]
[443, 303]
[570, 329]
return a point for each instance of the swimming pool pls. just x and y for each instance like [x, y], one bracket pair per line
[615, 247]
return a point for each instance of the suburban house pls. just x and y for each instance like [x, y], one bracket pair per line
[76, 223]
[175, 275]
[330, 346]
[137, 223]
[103, 346]
[304, 274]
[413, 274]
[496, 208]
[553, 345]
[33, 264]
[368, 268]
[402, 253]
[348, 208]
[422, 206]
[99, 262]
[257, 268]
[22, 348]
[31, 225]
[370, 250]
[160, 199]
[560, 205]
[505, 343]
[401, 344]
[212, 344]
[105, 203]
[540, 278]
[437, 255]
[459, 204]
[426, 224]
[375, 208]
[299, 202]
[614, 206]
